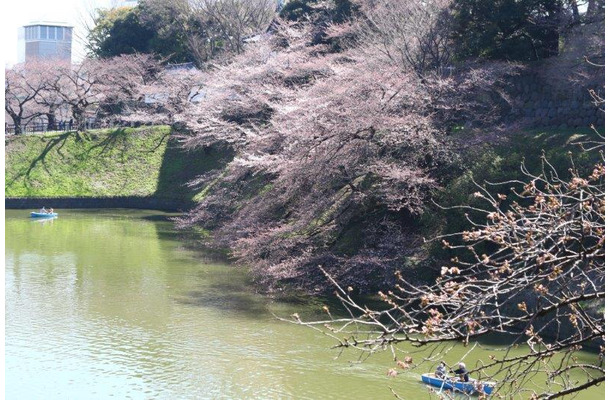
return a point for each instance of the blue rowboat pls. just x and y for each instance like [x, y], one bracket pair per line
[470, 387]
[42, 215]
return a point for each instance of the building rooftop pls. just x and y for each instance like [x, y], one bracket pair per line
[49, 23]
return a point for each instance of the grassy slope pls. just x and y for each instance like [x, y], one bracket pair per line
[105, 163]
[145, 162]
[502, 162]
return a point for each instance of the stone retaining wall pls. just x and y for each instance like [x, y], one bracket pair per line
[148, 203]
[544, 102]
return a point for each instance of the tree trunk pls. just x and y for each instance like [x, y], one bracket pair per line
[51, 121]
[17, 122]
[591, 8]
[551, 43]
[79, 120]
[575, 12]
[550, 37]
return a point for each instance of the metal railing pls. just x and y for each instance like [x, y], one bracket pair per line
[33, 128]
[9, 129]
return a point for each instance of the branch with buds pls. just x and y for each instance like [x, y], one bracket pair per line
[531, 267]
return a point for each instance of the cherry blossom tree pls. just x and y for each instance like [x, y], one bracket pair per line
[104, 88]
[48, 99]
[325, 141]
[81, 87]
[167, 98]
[24, 84]
[123, 79]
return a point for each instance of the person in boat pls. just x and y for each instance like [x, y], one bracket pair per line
[462, 372]
[43, 210]
[50, 210]
[441, 370]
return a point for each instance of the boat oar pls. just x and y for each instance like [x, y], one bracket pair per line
[442, 384]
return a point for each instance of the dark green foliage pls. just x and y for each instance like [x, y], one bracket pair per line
[340, 10]
[174, 32]
[297, 9]
[170, 26]
[118, 31]
[344, 10]
[502, 162]
[140, 29]
[509, 29]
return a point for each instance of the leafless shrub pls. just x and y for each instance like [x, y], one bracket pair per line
[413, 34]
[235, 20]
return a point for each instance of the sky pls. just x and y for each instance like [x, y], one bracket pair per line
[16, 13]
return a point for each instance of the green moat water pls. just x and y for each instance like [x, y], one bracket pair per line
[105, 304]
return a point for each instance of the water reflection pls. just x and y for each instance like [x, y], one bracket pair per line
[43, 221]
